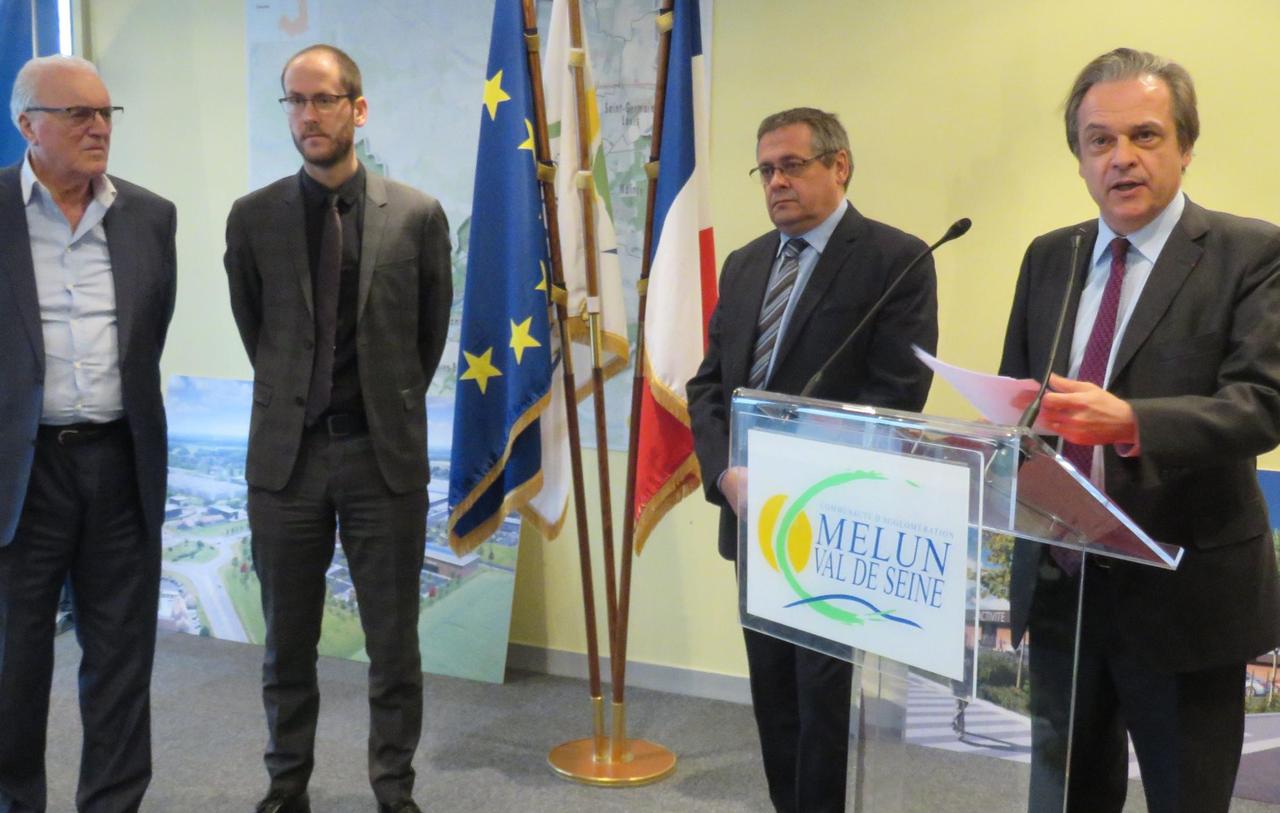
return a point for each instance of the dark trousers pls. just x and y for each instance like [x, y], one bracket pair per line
[82, 518]
[1187, 727]
[336, 487]
[801, 700]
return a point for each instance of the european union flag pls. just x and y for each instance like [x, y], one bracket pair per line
[504, 362]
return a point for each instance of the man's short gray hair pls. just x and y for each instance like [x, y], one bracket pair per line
[24, 85]
[1128, 63]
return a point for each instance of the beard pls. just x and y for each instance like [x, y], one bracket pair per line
[330, 153]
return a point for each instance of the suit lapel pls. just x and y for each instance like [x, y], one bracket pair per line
[375, 221]
[293, 227]
[15, 259]
[833, 259]
[756, 268]
[122, 242]
[1178, 257]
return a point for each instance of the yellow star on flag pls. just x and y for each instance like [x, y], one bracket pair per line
[527, 144]
[480, 369]
[494, 95]
[542, 283]
[520, 338]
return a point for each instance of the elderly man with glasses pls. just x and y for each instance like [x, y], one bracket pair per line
[787, 299]
[87, 277]
[341, 286]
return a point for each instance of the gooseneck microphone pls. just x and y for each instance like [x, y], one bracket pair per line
[957, 229]
[1032, 411]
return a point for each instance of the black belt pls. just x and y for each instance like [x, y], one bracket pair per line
[342, 424]
[78, 434]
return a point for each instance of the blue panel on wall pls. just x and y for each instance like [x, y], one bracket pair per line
[15, 49]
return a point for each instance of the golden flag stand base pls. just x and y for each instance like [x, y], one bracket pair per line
[614, 761]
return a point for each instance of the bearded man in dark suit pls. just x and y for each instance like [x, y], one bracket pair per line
[787, 299]
[341, 286]
[1168, 390]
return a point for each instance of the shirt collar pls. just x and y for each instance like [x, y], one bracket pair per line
[349, 192]
[819, 235]
[104, 192]
[1150, 239]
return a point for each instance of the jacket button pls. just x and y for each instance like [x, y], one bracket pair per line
[300, 401]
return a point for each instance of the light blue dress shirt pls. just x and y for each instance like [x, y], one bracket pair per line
[77, 297]
[1145, 246]
[817, 238]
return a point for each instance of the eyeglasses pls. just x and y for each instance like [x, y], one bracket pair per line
[79, 115]
[323, 102]
[791, 167]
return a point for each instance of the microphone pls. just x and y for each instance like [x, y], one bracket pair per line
[1032, 411]
[957, 229]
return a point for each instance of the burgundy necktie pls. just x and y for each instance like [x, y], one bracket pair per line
[1093, 368]
[328, 280]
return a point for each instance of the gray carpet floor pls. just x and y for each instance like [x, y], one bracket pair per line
[484, 747]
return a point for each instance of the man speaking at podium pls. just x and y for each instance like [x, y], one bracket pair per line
[787, 300]
[1167, 388]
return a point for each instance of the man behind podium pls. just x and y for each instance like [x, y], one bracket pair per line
[1168, 389]
[340, 284]
[787, 300]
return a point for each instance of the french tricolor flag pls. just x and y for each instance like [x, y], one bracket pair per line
[682, 281]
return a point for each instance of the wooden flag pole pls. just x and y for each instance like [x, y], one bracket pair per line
[546, 177]
[664, 20]
[628, 762]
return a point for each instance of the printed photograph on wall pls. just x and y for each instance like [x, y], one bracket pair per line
[208, 586]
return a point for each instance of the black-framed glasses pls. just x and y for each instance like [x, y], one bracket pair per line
[79, 115]
[790, 167]
[323, 102]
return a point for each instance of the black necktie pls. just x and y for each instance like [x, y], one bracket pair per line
[328, 280]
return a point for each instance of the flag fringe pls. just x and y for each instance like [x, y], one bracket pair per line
[515, 500]
[478, 490]
[685, 480]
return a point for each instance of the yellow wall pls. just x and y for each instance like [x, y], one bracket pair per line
[953, 108]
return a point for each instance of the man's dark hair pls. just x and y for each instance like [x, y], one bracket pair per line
[827, 133]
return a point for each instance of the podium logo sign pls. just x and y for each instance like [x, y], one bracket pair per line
[867, 548]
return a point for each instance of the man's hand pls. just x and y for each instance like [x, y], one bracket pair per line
[1086, 414]
[733, 485]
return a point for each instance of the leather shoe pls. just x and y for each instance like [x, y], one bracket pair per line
[405, 806]
[278, 802]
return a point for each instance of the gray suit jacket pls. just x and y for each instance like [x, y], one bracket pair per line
[860, 261]
[405, 291]
[140, 230]
[1200, 364]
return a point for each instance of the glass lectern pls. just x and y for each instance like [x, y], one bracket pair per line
[889, 539]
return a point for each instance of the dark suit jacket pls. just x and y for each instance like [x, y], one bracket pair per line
[140, 230]
[405, 291]
[860, 261]
[1200, 364]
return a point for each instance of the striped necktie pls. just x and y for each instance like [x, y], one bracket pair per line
[775, 304]
[1093, 368]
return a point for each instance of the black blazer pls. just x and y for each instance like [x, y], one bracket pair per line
[1200, 364]
[405, 292]
[859, 262]
[140, 229]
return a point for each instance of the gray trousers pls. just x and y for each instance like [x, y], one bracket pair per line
[336, 487]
